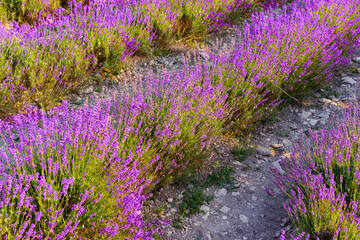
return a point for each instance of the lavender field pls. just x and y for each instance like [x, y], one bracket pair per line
[85, 173]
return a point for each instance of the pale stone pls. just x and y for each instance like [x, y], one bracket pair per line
[244, 219]
[276, 165]
[222, 192]
[264, 151]
[225, 209]
[277, 145]
[349, 80]
[204, 208]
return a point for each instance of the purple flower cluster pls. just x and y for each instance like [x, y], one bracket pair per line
[323, 180]
[61, 173]
[282, 54]
[57, 52]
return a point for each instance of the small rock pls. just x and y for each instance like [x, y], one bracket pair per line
[204, 208]
[222, 192]
[323, 115]
[276, 165]
[293, 127]
[235, 193]
[208, 236]
[324, 100]
[170, 200]
[286, 142]
[180, 196]
[224, 217]
[264, 151]
[312, 110]
[253, 197]
[252, 188]
[173, 210]
[322, 121]
[356, 59]
[204, 55]
[225, 209]
[205, 216]
[313, 122]
[237, 163]
[277, 145]
[244, 219]
[348, 80]
[277, 234]
[305, 114]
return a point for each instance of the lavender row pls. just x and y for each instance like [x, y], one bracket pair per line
[82, 173]
[42, 62]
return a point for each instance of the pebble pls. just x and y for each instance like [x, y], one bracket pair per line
[252, 188]
[313, 122]
[276, 165]
[348, 80]
[356, 59]
[237, 163]
[225, 209]
[324, 100]
[293, 127]
[323, 115]
[170, 200]
[221, 192]
[204, 55]
[305, 114]
[235, 193]
[253, 197]
[244, 219]
[277, 145]
[264, 151]
[286, 142]
[205, 208]
[205, 216]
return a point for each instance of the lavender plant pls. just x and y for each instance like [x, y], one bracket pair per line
[279, 55]
[62, 177]
[322, 180]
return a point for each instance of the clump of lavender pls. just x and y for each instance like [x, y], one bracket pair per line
[322, 178]
[62, 177]
[279, 55]
[177, 115]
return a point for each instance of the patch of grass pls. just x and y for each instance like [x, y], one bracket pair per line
[193, 198]
[160, 209]
[242, 153]
[222, 177]
[177, 222]
[327, 92]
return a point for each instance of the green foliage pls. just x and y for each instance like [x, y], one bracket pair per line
[242, 153]
[194, 195]
[193, 198]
